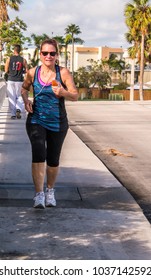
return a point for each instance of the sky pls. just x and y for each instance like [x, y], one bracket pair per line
[101, 22]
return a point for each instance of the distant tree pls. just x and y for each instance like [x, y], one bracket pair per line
[134, 38]
[98, 76]
[114, 64]
[121, 86]
[12, 33]
[73, 30]
[37, 40]
[138, 20]
[3, 11]
[4, 4]
[67, 40]
[147, 51]
[92, 76]
[61, 43]
[4, 17]
[82, 78]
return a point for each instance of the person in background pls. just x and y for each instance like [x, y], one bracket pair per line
[15, 67]
[47, 122]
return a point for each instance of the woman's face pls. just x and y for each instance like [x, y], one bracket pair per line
[48, 55]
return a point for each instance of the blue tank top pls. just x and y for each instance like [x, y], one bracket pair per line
[48, 110]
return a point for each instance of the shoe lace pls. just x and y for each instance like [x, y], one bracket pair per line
[50, 194]
[40, 196]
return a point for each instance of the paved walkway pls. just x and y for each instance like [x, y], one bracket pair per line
[95, 218]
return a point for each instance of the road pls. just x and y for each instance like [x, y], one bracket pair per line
[120, 125]
[125, 129]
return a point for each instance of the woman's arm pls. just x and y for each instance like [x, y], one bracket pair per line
[25, 65]
[25, 89]
[71, 92]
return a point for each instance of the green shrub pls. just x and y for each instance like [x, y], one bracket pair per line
[121, 86]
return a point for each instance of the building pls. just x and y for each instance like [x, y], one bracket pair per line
[82, 55]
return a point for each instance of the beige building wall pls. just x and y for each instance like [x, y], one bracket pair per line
[147, 76]
[107, 51]
[82, 55]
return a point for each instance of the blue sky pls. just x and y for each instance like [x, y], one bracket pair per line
[102, 22]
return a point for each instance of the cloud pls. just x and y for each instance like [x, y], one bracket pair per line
[101, 22]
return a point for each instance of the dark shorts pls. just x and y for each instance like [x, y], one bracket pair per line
[46, 145]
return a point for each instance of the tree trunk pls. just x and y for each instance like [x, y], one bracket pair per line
[141, 69]
[66, 56]
[132, 80]
[3, 18]
[3, 11]
[72, 56]
[1, 57]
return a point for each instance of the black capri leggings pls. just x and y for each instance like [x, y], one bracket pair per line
[46, 145]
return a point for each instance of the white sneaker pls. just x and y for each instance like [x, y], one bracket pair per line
[50, 198]
[39, 200]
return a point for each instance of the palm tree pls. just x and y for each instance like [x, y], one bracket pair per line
[3, 12]
[134, 38]
[60, 41]
[37, 42]
[73, 30]
[61, 44]
[138, 20]
[13, 4]
[67, 40]
[114, 64]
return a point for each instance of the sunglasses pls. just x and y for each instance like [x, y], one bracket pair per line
[51, 53]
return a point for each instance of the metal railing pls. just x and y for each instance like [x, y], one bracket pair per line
[116, 96]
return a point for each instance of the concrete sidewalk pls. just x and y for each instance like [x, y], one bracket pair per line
[95, 218]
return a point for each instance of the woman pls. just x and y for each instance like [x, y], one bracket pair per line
[47, 122]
